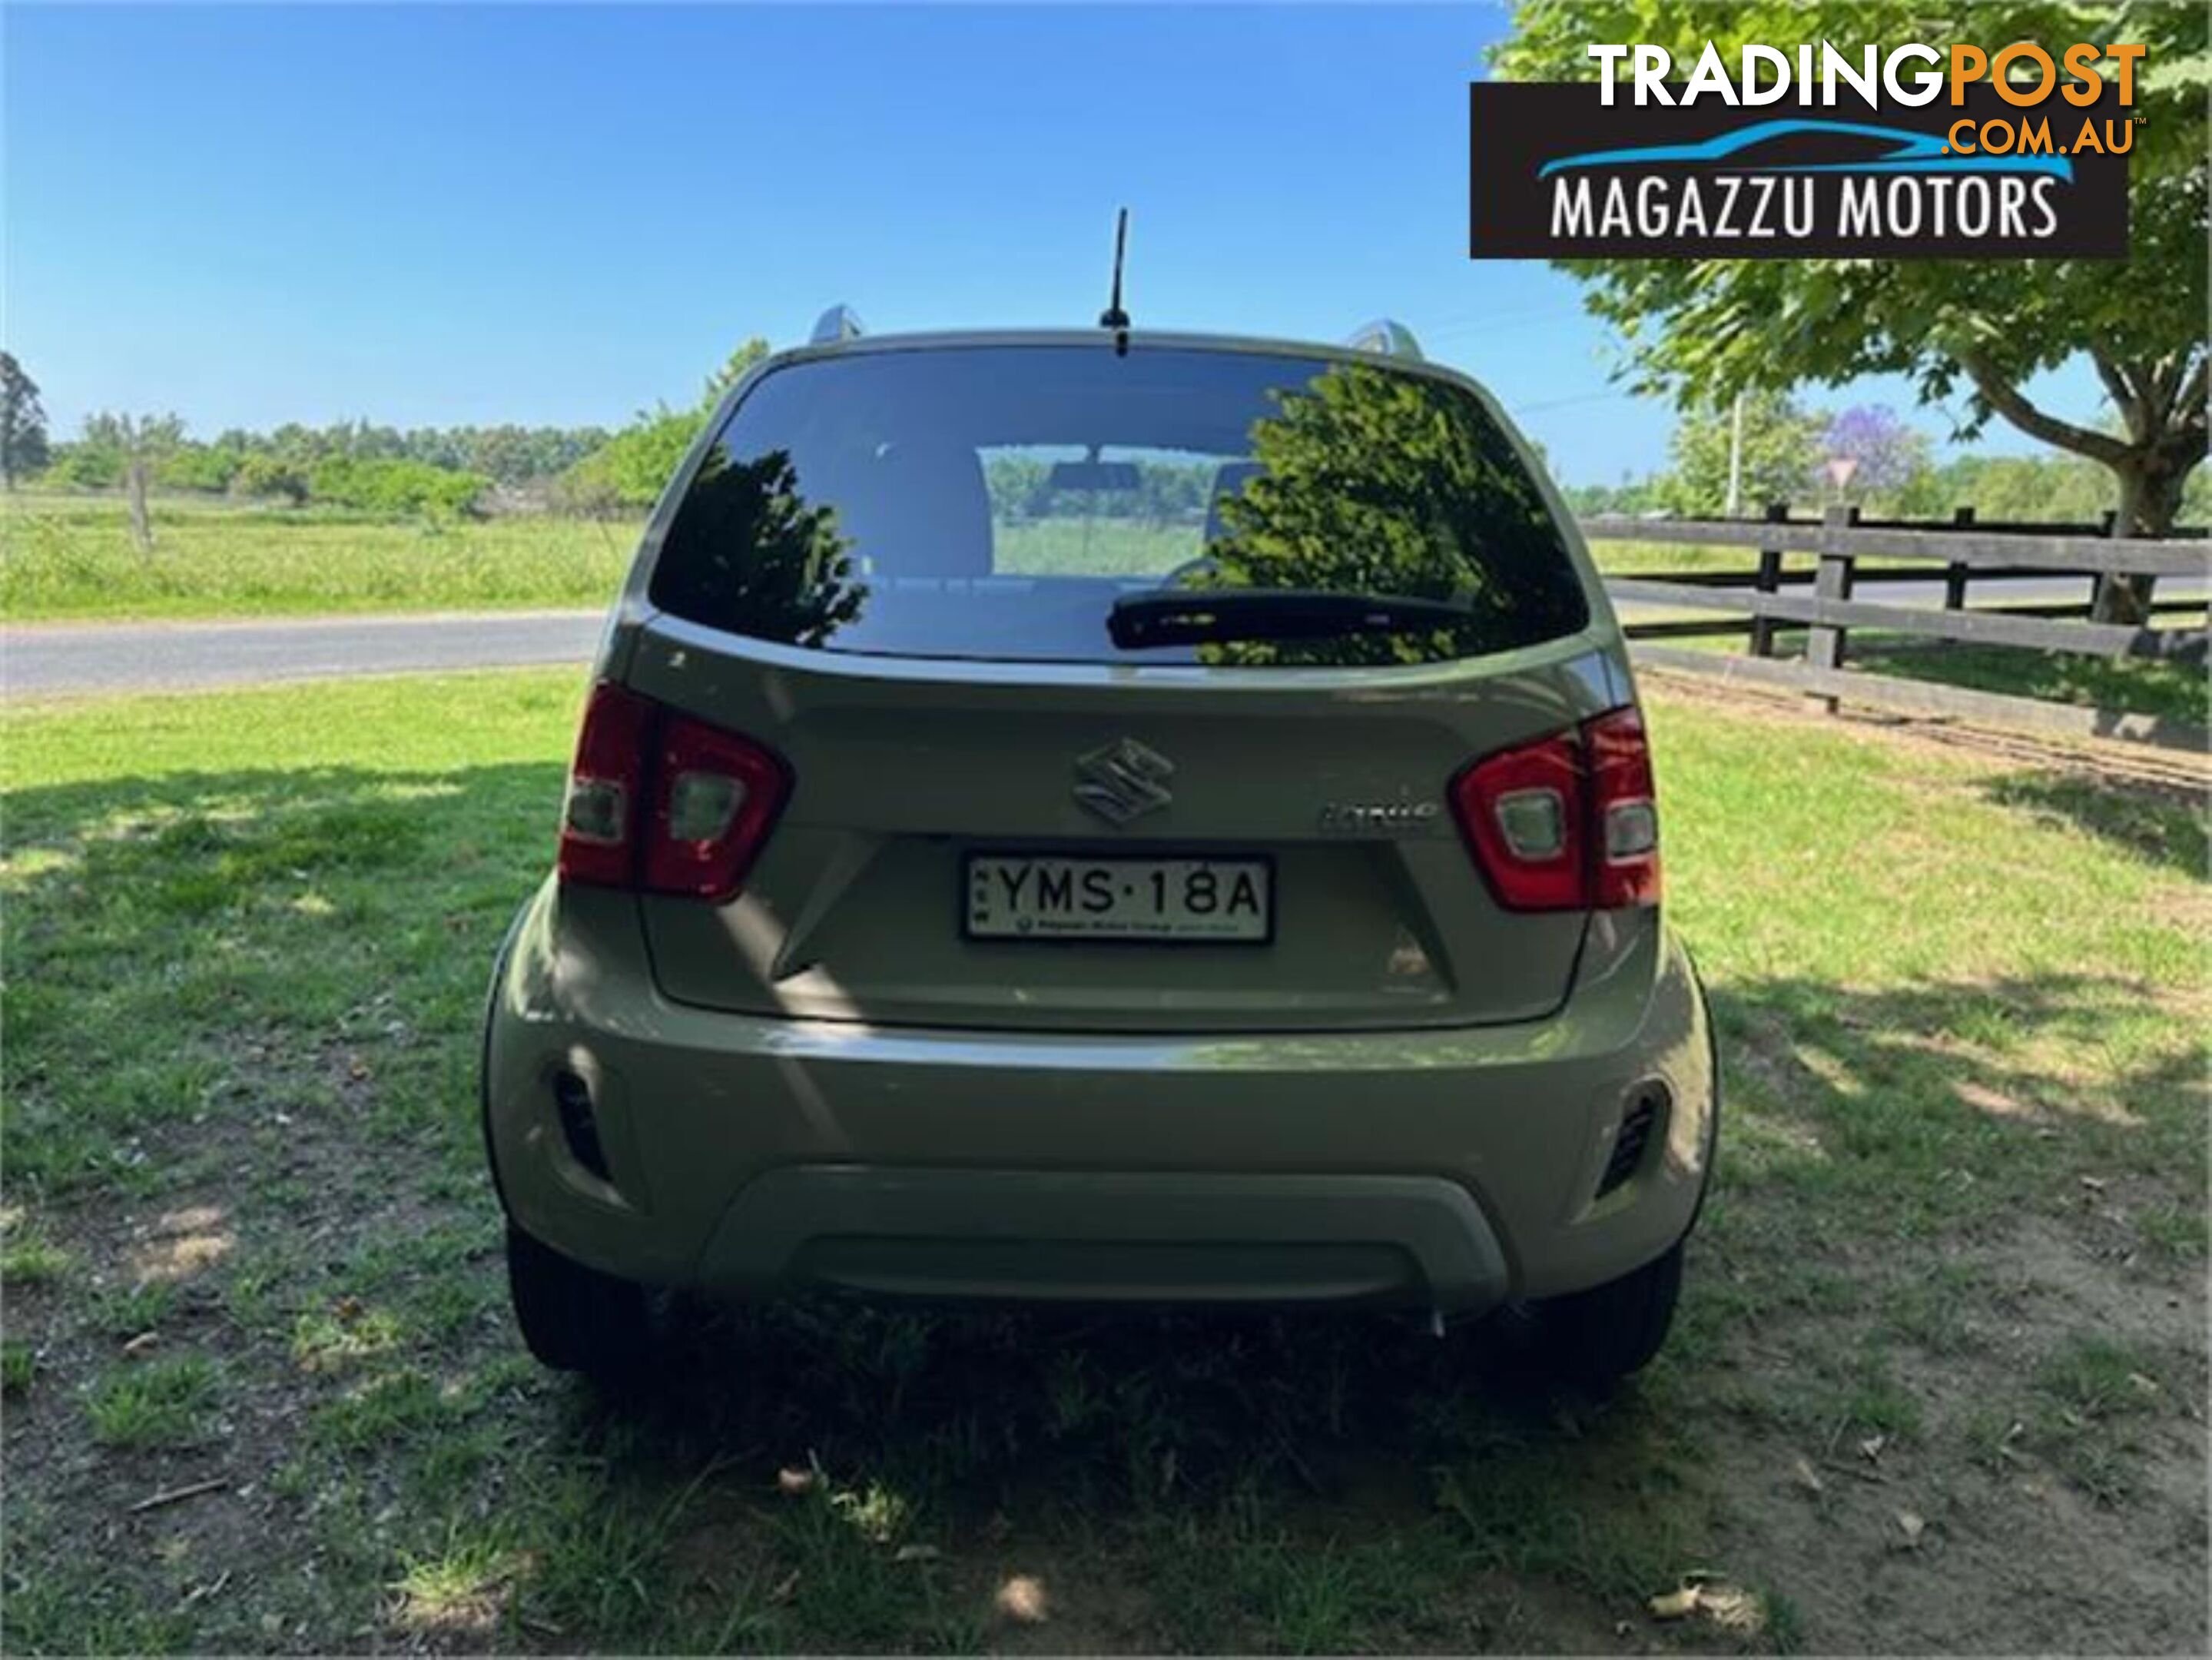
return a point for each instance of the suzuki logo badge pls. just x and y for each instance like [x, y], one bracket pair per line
[1123, 781]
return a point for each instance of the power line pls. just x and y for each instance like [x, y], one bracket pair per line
[1568, 402]
[1484, 322]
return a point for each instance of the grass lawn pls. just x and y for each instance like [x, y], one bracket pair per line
[1938, 1383]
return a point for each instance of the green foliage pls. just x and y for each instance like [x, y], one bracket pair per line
[1630, 495]
[270, 477]
[1703, 330]
[199, 467]
[506, 454]
[1166, 493]
[147, 437]
[1381, 483]
[395, 486]
[2038, 489]
[270, 462]
[509, 454]
[632, 468]
[22, 422]
[84, 466]
[1781, 455]
[749, 554]
[734, 368]
[2031, 490]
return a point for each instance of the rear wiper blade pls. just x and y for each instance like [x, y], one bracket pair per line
[1180, 617]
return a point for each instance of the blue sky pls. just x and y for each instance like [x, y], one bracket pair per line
[432, 216]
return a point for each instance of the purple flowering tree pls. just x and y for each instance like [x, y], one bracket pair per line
[1885, 454]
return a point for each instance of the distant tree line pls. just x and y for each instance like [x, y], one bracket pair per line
[1162, 492]
[1865, 457]
[347, 463]
[1788, 452]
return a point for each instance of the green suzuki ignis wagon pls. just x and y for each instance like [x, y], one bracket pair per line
[1115, 816]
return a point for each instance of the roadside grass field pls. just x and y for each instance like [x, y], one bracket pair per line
[70, 558]
[1938, 1381]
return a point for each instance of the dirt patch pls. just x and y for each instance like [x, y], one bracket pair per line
[205, 1528]
[1971, 1533]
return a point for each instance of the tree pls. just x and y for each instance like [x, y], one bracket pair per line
[733, 369]
[1887, 456]
[756, 558]
[269, 477]
[209, 467]
[1705, 330]
[1781, 450]
[1374, 482]
[633, 467]
[143, 441]
[22, 422]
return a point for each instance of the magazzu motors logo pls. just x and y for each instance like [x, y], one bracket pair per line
[1914, 152]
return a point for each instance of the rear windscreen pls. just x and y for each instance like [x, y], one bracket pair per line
[1063, 503]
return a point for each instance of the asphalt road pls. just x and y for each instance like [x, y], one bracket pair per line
[68, 658]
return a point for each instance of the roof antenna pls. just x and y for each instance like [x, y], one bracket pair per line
[1114, 317]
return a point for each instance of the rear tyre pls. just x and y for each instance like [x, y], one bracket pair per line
[1598, 1336]
[575, 1318]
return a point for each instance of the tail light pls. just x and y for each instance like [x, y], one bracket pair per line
[662, 802]
[1567, 823]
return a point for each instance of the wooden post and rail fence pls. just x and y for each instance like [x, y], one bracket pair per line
[1852, 555]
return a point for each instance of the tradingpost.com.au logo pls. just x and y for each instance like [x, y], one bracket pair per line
[1901, 153]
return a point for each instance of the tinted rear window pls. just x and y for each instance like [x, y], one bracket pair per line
[997, 501]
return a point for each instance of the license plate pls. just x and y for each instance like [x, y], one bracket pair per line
[1167, 901]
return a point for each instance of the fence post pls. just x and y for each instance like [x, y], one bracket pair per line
[1825, 644]
[2112, 527]
[1770, 581]
[1954, 576]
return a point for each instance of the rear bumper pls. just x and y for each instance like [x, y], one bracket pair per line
[1445, 1169]
[1113, 1236]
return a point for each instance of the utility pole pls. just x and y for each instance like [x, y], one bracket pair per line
[1736, 459]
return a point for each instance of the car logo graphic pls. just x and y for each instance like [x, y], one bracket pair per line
[1123, 781]
[1908, 152]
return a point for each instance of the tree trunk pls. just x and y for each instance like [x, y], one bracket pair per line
[2151, 500]
[2162, 402]
[134, 484]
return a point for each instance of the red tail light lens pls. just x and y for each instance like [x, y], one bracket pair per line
[1522, 811]
[1567, 823]
[1624, 811]
[598, 818]
[716, 799]
[663, 803]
